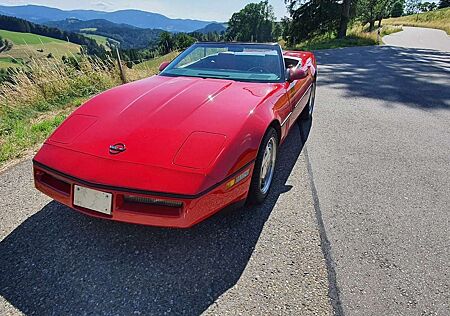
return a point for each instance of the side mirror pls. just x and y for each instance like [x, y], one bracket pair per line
[164, 65]
[293, 74]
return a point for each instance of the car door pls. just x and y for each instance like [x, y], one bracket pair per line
[298, 92]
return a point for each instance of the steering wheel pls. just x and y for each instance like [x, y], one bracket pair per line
[257, 69]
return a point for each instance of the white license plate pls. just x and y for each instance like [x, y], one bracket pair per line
[92, 199]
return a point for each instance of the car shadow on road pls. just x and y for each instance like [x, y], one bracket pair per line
[61, 262]
[415, 77]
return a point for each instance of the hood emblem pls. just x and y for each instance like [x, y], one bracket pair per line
[117, 148]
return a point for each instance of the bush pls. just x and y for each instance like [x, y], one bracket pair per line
[397, 9]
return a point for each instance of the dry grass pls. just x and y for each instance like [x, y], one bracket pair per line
[50, 81]
[356, 36]
[439, 19]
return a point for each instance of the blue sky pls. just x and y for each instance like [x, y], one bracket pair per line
[218, 10]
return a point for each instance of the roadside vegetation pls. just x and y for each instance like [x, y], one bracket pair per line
[356, 36]
[438, 19]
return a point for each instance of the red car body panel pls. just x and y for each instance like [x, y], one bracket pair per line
[185, 137]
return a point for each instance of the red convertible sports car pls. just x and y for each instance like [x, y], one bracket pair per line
[173, 149]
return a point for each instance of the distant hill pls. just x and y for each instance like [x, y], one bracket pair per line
[75, 25]
[212, 28]
[14, 24]
[137, 18]
[127, 35]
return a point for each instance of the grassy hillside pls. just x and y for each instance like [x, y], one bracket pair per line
[101, 40]
[27, 46]
[88, 29]
[439, 19]
[154, 63]
[6, 62]
[27, 38]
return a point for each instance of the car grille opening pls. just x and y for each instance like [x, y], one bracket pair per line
[53, 183]
[152, 206]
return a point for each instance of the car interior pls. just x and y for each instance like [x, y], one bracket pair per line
[263, 63]
[290, 63]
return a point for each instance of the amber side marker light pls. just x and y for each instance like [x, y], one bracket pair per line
[238, 179]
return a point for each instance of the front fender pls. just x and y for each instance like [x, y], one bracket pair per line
[241, 149]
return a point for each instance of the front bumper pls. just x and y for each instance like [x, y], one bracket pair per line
[169, 210]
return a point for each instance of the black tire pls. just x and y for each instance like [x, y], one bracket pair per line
[309, 108]
[256, 194]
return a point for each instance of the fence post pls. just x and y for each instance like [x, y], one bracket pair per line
[122, 72]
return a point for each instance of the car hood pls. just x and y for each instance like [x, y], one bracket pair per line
[154, 117]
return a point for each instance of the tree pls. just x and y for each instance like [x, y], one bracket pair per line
[182, 40]
[432, 6]
[277, 30]
[412, 6]
[397, 9]
[311, 18]
[345, 18]
[370, 11]
[253, 23]
[444, 4]
[383, 9]
[166, 43]
[323, 15]
[427, 6]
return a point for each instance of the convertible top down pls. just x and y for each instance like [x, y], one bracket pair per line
[175, 148]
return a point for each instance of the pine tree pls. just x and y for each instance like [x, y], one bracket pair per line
[444, 4]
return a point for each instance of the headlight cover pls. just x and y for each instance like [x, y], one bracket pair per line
[199, 150]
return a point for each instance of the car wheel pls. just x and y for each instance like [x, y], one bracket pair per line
[264, 168]
[308, 110]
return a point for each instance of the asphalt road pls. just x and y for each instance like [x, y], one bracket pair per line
[357, 222]
[380, 153]
[418, 37]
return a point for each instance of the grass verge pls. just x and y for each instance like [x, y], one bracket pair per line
[356, 36]
[439, 19]
[27, 133]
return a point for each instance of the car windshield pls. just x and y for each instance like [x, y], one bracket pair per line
[233, 61]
